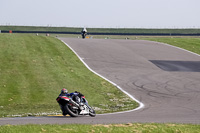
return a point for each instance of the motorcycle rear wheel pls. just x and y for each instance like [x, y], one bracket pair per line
[72, 112]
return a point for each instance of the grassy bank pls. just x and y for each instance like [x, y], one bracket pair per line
[34, 69]
[114, 128]
[191, 44]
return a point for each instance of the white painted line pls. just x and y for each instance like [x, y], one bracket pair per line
[141, 105]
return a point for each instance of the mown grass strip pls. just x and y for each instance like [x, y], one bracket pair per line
[111, 128]
[191, 44]
[34, 69]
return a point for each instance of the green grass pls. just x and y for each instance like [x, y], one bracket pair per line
[191, 44]
[140, 30]
[111, 128]
[34, 69]
[11, 87]
[39, 28]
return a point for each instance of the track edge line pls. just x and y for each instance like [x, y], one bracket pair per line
[141, 105]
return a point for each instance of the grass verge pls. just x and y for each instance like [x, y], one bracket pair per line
[188, 43]
[34, 69]
[111, 128]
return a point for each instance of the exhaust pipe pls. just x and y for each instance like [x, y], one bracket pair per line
[74, 103]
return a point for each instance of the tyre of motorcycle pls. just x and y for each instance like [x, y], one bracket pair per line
[92, 113]
[83, 35]
[72, 112]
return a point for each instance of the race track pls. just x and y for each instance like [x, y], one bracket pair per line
[164, 78]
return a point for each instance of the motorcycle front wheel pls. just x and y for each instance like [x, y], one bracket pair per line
[92, 113]
[83, 36]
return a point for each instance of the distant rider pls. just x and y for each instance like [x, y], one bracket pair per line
[84, 32]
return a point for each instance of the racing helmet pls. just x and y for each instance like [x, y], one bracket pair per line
[64, 91]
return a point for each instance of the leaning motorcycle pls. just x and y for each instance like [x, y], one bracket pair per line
[69, 106]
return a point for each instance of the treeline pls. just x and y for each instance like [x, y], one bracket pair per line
[100, 31]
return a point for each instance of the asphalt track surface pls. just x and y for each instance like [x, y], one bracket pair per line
[164, 78]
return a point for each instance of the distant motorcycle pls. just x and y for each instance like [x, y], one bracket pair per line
[69, 106]
[84, 32]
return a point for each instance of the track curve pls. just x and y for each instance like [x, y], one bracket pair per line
[169, 96]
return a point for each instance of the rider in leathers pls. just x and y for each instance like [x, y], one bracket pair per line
[75, 95]
[84, 32]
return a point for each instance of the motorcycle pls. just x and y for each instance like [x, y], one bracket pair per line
[69, 106]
